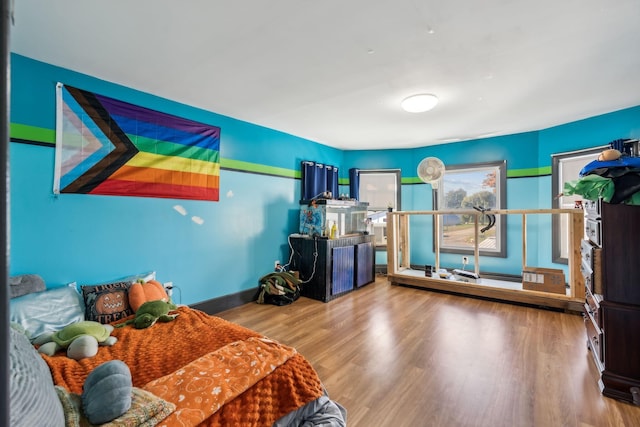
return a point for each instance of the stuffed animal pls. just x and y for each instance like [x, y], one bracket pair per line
[141, 292]
[150, 312]
[107, 396]
[608, 155]
[106, 393]
[25, 284]
[81, 339]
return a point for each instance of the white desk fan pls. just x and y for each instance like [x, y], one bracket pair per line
[431, 171]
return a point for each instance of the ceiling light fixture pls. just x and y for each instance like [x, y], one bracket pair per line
[419, 103]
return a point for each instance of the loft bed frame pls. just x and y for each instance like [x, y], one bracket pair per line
[400, 271]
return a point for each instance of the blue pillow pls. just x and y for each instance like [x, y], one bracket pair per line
[47, 311]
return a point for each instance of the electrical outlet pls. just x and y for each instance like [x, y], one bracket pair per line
[465, 260]
[276, 264]
[168, 287]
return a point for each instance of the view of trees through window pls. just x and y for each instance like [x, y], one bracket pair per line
[470, 188]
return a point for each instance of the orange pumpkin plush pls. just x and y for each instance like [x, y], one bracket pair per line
[152, 290]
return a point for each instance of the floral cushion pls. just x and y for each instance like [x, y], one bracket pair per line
[146, 410]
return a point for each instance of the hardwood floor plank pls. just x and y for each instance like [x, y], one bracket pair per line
[398, 356]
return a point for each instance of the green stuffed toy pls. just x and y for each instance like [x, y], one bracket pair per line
[150, 312]
[81, 339]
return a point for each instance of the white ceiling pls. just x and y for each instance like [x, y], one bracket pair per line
[335, 71]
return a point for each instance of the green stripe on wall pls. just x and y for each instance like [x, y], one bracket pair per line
[48, 136]
[411, 180]
[530, 172]
[42, 135]
[32, 133]
[260, 169]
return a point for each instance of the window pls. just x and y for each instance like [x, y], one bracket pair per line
[566, 167]
[469, 187]
[381, 189]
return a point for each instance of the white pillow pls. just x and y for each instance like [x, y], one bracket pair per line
[145, 277]
[47, 311]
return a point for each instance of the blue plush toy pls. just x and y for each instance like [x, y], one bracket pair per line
[106, 392]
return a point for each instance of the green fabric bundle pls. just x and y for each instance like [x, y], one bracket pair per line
[591, 187]
[279, 288]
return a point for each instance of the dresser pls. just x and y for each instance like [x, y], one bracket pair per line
[611, 266]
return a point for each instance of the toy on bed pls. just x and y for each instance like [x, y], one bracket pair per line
[109, 398]
[149, 313]
[106, 393]
[81, 339]
[150, 303]
[25, 284]
[161, 360]
[142, 291]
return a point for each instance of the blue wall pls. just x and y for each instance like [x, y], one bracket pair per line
[91, 239]
[528, 159]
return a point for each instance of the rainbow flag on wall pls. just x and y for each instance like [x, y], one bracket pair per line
[109, 147]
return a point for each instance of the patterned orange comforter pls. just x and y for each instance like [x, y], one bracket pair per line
[164, 348]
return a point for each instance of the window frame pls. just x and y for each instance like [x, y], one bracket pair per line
[556, 200]
[501, 202]
[376, 211]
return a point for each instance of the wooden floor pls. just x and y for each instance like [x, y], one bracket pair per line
[397, 356]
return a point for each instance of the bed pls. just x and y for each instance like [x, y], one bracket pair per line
[230, 375]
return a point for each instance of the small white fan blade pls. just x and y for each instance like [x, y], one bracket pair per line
[431, 170]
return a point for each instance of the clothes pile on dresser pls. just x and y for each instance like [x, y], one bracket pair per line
[614, 176]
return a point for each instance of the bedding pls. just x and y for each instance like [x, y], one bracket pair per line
[33, 398]
[47, 311]
[146, 409]
[40, 310]
[256, 382]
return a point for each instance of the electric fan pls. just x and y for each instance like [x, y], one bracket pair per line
[431, 171]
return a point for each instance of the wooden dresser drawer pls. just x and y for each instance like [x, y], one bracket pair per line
[591, 266]
[593, 231]
[587, 273]
[594, 336]
[592, 208]
[586, 251]
[592, 308]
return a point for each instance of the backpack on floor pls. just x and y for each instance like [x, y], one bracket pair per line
[279, 288]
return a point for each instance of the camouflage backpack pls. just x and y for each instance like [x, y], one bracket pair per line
[279, 288]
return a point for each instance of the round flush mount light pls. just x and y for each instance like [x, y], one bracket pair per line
[419, 103]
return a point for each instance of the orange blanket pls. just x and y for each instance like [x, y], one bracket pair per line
[201, 388]
[166, 347]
